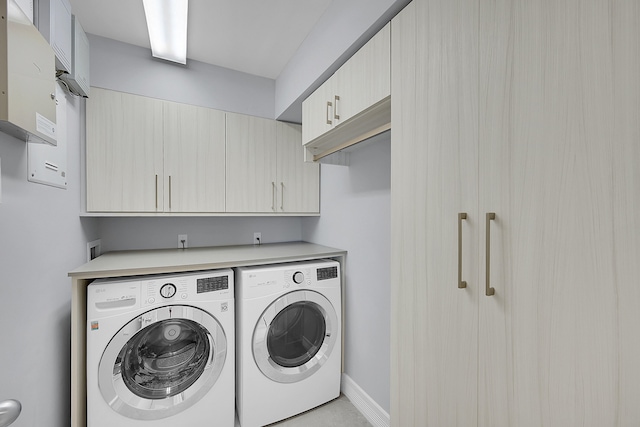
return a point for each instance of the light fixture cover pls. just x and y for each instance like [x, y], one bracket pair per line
[167, 25]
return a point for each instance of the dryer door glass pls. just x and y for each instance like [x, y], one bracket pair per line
[164, 359]
[296, 334]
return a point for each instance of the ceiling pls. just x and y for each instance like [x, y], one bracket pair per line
[253, 36]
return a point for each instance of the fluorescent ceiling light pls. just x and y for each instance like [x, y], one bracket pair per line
[167, 24]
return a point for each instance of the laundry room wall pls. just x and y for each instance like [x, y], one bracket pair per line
[42, 238]
[127, 68]
[355, 216]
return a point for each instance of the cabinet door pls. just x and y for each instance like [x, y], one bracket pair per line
[124, 153]
[434, 178]
[318, 111]
[626, 204]
[194, 158]
[553, 339]
[365, 79]
[298, 182]
[251, 159]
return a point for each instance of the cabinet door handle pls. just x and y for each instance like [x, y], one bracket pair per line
[156, 192]
[329, 105]
[273, 196]
[282, 197]
[336, 116]
[461, 283]
[488, 289]
[169, 192]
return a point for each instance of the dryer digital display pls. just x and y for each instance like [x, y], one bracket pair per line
[327, 273]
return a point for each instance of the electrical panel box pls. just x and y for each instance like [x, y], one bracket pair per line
[78, 78]
[27, 78]
[46, 164]
[54, 22]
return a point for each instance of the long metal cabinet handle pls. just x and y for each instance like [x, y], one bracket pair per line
[488, 289]
[336, 116]
[461, 283]
[329, 105]
[282, 196]
[156, 192]
[169, 192]
[273, 196]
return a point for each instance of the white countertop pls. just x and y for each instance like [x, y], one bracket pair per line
[138, 262]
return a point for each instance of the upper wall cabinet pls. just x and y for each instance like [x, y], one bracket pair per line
[78, 78]
[353, 104]
[194, 158]
[147, 156]
[266, 172]
[298, 182]
[124, 153]
[54, 22]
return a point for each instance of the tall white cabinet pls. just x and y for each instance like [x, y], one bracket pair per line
[521, 115]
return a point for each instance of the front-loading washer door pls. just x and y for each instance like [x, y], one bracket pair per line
[295, 336]
[162, 362]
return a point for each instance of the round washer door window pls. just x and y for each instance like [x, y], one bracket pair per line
[295, 336]
[162, 362]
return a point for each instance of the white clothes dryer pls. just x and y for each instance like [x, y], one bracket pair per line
[161, 350]
[288, 339]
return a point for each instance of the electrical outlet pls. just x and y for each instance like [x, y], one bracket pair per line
[257, 238]
[183, 241]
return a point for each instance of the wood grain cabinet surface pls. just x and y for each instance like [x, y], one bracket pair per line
[345, 106]
[148, 156]
[528, 110]
[266, 171]
[124, 153]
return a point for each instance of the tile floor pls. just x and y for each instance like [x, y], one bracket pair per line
[337, 413]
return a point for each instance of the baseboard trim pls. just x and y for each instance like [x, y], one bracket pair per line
[377, 416]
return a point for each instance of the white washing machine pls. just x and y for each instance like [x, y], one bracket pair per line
[161, 350]
[288, 339]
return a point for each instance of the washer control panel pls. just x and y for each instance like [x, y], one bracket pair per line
[175, 289]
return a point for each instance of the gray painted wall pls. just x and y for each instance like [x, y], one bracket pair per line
[127, 68]
[158, 233]
[42, 238]
[356, 210]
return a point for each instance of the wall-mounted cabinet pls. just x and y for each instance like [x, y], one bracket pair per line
[194, 158]
[124, 153]
[266, 172]
[353, 104]
[78, 78]
[149, 156]
[27, 79]
[54, 22]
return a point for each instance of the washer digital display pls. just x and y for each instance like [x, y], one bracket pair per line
[212, 284]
